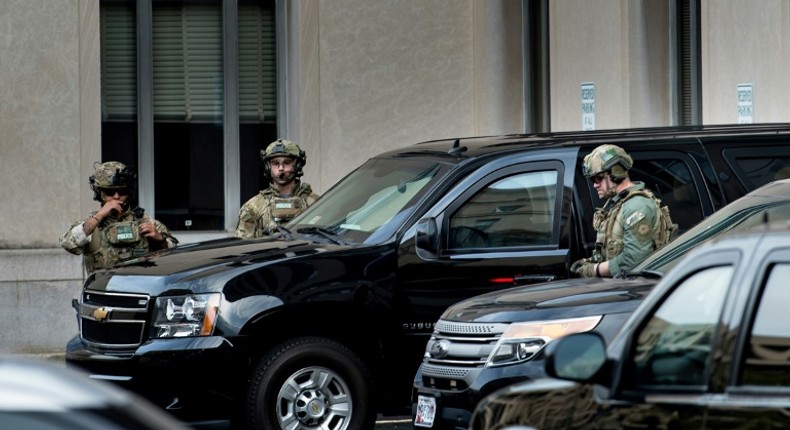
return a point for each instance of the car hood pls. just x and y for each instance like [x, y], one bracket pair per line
[553, 300]
[188, 265]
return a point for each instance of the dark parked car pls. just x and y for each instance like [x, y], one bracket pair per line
[37, 395]
[487, 342]
[325, 323]
[706, 349]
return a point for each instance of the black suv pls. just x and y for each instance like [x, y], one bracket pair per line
[325, 323]
[497, 339]
[707, 349]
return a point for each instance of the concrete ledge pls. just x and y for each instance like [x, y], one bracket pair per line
[52, 264]
[36, 288]
[38, 316]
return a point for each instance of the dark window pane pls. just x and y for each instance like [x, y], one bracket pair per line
[118, 28]
[257, 91]
[674, 346]
[188, 115]
[671, 181]
[759, 166]
[189, 176]
[768, 354]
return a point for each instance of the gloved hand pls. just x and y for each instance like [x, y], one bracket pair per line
[584, 268]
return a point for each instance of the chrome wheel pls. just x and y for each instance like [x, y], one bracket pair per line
[314, 398]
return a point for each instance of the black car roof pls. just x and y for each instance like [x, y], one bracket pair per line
[465, 147]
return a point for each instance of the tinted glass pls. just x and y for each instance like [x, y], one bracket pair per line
[513, 211]
[767, 358]
[673, 347]
[757, 168]
[671, 181]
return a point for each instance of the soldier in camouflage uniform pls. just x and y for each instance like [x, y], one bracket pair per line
[631, 225]
[114, 232]
[286, 196]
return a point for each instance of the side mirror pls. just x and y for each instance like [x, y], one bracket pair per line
[577, 357]
[427, 238]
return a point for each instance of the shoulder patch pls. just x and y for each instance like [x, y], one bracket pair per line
[633, 219]
[642, 231]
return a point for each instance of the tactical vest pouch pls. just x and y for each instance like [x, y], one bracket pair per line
[614, 248]
[285, 208]
[599, 222]
[123, 233]
[664, 229]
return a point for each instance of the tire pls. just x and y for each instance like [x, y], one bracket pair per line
[310, 383]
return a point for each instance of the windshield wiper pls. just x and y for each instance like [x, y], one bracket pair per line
[280, 231]
[323, 232]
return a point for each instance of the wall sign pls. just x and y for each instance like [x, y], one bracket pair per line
[588, 106]
[745, 103]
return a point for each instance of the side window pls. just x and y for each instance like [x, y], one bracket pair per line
[674, 346]
[759, 166]
[514, 211]
[671, 181]
[767, 358]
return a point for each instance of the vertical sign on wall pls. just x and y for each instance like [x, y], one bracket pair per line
[588, 106]
[745, 106]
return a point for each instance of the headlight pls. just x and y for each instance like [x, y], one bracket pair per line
[521, 341]
[180, 316]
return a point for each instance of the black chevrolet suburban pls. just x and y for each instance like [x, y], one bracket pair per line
[324, 323]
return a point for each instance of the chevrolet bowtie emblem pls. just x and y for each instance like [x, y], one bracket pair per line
[100, 314]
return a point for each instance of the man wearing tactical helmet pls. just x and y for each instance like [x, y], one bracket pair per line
[631, 224]
[284, 198]
[115, 231]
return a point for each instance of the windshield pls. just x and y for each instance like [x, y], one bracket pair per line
[369, 204]
[739, 215]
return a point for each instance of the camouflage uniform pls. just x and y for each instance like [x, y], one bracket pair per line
[267, 210]
[114, 240]
[625, 228]
[631, 225]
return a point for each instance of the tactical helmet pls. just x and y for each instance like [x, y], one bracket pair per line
[111, 175]
[283, 148]
[607, 158]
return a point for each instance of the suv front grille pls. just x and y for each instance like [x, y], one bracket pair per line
[113, 320]
[462, 344]
[457, 352]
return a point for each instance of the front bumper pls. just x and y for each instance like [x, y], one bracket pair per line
[454, 407]
[193, 378]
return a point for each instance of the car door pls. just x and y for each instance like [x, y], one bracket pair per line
[668, 356]
[502, 225]
[503, 229]
[758, 390]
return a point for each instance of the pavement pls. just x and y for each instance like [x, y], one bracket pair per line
[389, 423]
[394, 423]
